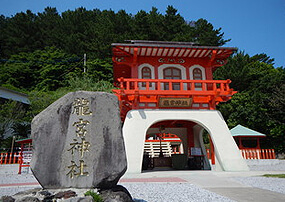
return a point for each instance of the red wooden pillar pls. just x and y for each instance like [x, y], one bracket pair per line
[10, 157]
[212, 151]
[190, 138]
[6, 158]
[258, 144]
[21, 158]
[273, 153]
[135, 64]
[240, 143]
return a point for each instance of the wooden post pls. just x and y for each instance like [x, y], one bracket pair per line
[6, 156]
[240, 143]
[258, 143]
[1, 158]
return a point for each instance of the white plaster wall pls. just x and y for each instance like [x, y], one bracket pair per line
[137, 123]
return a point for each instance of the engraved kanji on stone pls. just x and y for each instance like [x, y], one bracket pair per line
[81, 107]
[77, 170]
[80, 127]
[81, 147]
[81, 169]
[72, 171]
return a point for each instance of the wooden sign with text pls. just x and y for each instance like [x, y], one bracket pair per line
[175, 102]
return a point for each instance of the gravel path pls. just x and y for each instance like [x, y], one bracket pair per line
[9, 191]
[155, 192]
[14, 178]
[269, 183]
[266, 164]
[161, 192]
[141, 192]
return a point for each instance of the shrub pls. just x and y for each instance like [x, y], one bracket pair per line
[95, 196]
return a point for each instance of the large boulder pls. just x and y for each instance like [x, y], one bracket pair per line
[78, 142]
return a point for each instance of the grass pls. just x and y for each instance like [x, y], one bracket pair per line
[95, 196]
[275, 175]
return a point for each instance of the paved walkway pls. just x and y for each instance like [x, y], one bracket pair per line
[222, 183]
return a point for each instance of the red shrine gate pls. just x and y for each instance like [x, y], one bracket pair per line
[170, 85]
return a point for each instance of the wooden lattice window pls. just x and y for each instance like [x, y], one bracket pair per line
[197, 75]
[146, 74]
[172, 73]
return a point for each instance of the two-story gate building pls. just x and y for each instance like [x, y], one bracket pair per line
[168, 87]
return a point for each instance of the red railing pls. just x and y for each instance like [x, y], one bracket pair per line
[25, 159]
[10, 158]
[254, 153]
[176, 87]
[146, 93]
[258, 153]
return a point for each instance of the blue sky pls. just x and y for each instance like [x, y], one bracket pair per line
[254, 26]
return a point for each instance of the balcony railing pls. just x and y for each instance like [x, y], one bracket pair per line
[145, 93]
[177, 87]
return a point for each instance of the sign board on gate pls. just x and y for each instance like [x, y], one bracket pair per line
[175, 102]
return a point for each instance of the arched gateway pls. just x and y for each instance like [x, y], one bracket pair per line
[172, 82]
[138, 121]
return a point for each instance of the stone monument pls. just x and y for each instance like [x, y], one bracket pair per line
[78, 142]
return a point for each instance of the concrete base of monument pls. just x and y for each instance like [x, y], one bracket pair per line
[117, 193]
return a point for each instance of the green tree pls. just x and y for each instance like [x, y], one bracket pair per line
[42, 69]
[142, 26]
[21, 129]
[174, 25]
[259, 101]
[49, 23]
[99, 69]
[101, 32]
[10, 113]
[21, 34]
[155, 21]
[205, 34]
[3, 26]
[82, 31]
[123, 25]
[74, 25]
[42, 99]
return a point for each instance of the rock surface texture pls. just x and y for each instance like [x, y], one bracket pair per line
[78, 142]
[67, 195]
[116, 194]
